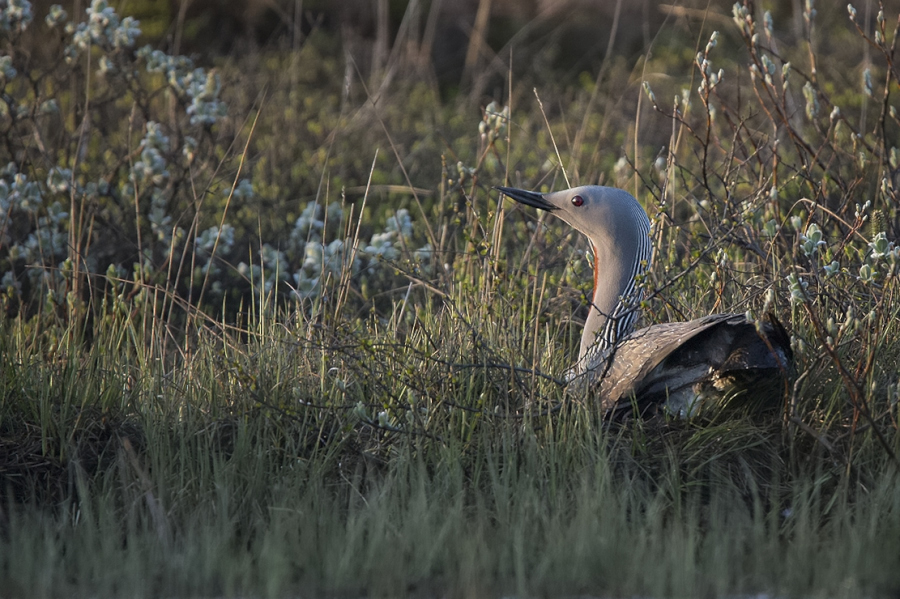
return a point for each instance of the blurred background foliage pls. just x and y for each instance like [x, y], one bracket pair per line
[209, 150]
[314, 88]
[217, 153]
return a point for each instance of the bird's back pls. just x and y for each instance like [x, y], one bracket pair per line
[687, 367]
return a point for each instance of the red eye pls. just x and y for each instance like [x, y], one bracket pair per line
[577, 201]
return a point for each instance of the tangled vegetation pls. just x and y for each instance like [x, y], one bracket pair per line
[265, 327]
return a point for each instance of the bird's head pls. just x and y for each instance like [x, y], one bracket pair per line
[604, 214]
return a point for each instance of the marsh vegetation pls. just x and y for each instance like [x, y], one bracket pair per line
[267, 330]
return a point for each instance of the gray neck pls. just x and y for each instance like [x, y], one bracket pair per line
[616, 298]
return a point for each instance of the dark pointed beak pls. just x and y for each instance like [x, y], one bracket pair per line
[529, 198]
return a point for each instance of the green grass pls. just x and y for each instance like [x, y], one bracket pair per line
[402, 430]
[256, 463]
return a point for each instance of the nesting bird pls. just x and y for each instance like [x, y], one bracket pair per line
[681, 368]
